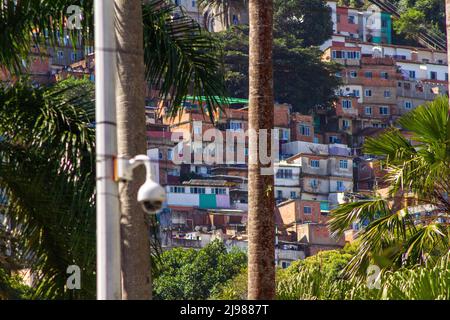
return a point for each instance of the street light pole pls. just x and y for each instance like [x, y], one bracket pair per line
[108, 214]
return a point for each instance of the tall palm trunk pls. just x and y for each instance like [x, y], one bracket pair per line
[136, 281]
[261, 227]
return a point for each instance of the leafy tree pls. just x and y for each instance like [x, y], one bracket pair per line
[298, 19]
[410, 23]
[330, 263]
[301, 78]
[418, 173]
[189, 274]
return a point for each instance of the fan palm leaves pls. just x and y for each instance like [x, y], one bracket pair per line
[47, 173]
[395, 234]
[180, 57]
[221, 8]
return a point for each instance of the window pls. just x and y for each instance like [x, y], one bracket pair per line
[313, 183]
[198, 190]
[340, 186]
[338, 74]
[334, 139]
[384, 75]
[368, 93]
[433, 75]
[285, 264]
[197, 129]
[193, 4]
[279, 194]
[368, 74]
[173, 172]
[356, 93]
[235, 20]
[336, 54]
[160, 155]
[375, 125]
[314, 163]
[176, 189]
[387, 94]
[408, 105]
[353, 55]
[307, 210]
[219, 191]
[284, 174]
[73, 56]
[384, 110]
[235, 126]
[343, 164]
[384, 125]
[353, 74]
[60, 54]
[345, 124]
[169, 154]
[293, 194]
[412, 74]
[284, 134]
[304, 130]
[346, 104]
[368, 111]
[446, 76]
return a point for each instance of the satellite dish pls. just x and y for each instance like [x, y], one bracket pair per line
[197, 228]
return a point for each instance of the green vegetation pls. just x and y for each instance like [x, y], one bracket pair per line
[189, 274]
[301, 78]
[418, 174]
[47, 177]
[321, 277]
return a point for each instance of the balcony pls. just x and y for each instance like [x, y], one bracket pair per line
[383, 61]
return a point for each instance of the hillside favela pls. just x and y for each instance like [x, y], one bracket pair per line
[224, 150]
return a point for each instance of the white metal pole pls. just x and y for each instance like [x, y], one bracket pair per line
[108, 216]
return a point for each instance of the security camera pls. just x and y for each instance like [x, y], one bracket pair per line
[151, 195]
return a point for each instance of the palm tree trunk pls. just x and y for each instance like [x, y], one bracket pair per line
[261, 227]
[130, 97]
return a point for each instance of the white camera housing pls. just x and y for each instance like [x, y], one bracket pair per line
[151, 195]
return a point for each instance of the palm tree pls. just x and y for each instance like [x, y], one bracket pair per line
[47, 178]
[418, 173]
[222, 8]
[179, 57]
[130, 99]
[261, 226]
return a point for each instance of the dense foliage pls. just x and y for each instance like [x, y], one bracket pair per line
[298, 19]
[47, 171]
[301, 78]
[189, 274]
[321, 277]
[406, 224]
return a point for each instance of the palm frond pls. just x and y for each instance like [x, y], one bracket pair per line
[181, 58]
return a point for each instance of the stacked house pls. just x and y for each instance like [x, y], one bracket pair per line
[320, 162]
